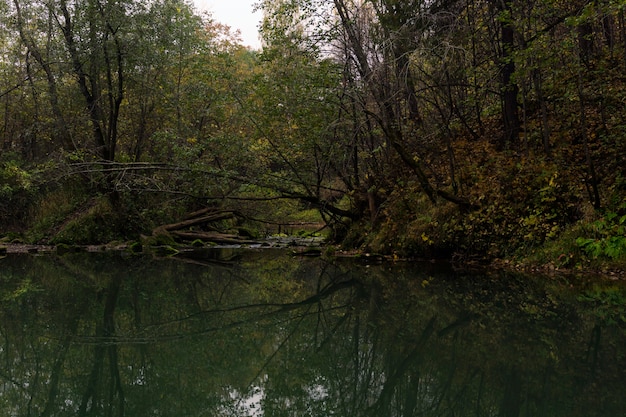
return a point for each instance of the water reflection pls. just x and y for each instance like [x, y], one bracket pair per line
[261, 334]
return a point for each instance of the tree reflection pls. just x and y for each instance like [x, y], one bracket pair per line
[103, 335]
[104, 389]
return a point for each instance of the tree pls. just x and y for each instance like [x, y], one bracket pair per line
[46, 56]
[167, 43]
[98, 64]
[509, 88]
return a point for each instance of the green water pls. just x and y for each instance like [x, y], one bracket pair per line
[245, 333]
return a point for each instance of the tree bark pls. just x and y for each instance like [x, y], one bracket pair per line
[510, 89]
[196, 221]
[591, 169]
[545, 124]
[104, 128]
[224, 238]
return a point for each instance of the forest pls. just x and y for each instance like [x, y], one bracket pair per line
[471, 130]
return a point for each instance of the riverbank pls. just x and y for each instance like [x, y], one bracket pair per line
[315, 247]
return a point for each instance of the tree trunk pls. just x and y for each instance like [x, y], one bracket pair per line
[92, 98]
[510, 89]
[387, 98]
[214, 217]
[545, 124]
[103, 107]
[585, 42]
[591, 170]
[61, 131]
[223, 238]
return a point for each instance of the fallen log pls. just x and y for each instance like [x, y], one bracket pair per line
[212, 210]
[223, 238]
[194, 221]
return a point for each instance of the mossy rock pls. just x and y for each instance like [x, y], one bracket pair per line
[165, 250]
[160, 239]
[135, 247]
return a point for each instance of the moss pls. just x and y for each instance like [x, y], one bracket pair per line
[135, 247]
[330, 251]
[159, 239]
[95, 225]
[165, 250]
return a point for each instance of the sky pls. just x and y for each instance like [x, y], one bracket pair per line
[237, 14]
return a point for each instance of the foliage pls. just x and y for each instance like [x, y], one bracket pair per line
[14, 179]
[420, 129]
[522, 206]
[18, 185]
[609, 237]
[527, 204]
[53, 208]
[97, 222]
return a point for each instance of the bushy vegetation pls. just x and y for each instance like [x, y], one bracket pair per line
[19, 187]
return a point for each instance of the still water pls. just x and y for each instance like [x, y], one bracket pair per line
[245, 333]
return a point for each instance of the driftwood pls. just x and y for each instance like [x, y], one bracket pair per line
[209, 218]
[204, 218]
[223, 238]
[208, 210]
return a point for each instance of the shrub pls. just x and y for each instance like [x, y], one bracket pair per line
[606, 237]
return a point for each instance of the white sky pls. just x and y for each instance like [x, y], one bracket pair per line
[237, 14]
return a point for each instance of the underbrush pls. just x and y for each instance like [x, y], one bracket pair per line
[97, 222]
[51, 209]
[18, 189]
[411, 226]
[71, 213]
[534, 211]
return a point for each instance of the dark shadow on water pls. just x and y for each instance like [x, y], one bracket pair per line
[249, 333]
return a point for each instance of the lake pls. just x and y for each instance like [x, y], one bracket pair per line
[226, 332]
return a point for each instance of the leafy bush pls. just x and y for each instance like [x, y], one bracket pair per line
[98, 223]
[17, 191]
[608, 237]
